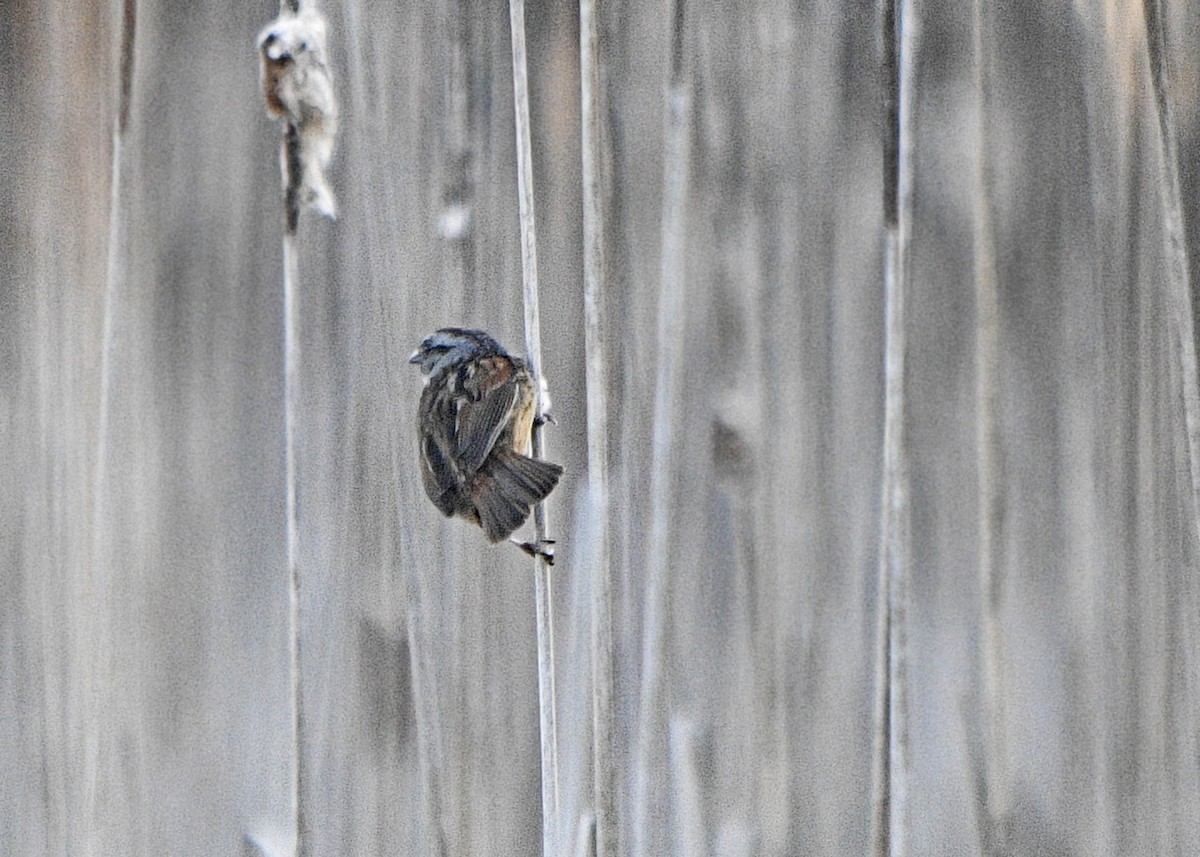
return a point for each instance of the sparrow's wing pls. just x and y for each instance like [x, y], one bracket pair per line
[442, 484]
[490, 391]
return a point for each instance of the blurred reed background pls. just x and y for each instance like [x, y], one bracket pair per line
[1052, 656]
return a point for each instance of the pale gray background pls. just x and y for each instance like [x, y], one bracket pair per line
[144, 703]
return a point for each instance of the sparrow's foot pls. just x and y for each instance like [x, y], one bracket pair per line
[543, 549]
[541, 419]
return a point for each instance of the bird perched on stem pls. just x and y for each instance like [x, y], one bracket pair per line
[474, 422]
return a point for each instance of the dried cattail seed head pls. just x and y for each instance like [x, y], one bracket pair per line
[299, 91]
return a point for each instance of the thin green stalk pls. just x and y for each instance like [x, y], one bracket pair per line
[543, 591]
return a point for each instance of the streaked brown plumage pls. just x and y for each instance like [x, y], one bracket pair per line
[474, 423]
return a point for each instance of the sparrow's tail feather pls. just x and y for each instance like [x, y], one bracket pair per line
[510, 484]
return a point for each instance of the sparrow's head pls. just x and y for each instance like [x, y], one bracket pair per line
[450, 346]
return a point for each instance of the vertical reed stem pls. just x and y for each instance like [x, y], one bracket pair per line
[594, 273]
[543, 591]
[991, 512]
[290, 161]
[1180, 299]
[899, 33]
[290, 164]
[650, 821]
[101, 578]
[291, 170]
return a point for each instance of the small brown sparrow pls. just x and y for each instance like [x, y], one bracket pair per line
[474, 422]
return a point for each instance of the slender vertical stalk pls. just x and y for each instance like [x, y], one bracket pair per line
[880, 795]
[100, 578]
[291, 171]
[594, 273]
[987, 457]
[125, 86]
[430, 743]
[290, 161]
[543, 591]
[1180, 298]
[650, 799]
[899, 33]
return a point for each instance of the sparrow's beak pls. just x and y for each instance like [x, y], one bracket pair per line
[415, 357]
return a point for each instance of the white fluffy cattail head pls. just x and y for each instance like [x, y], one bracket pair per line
[299, 91]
